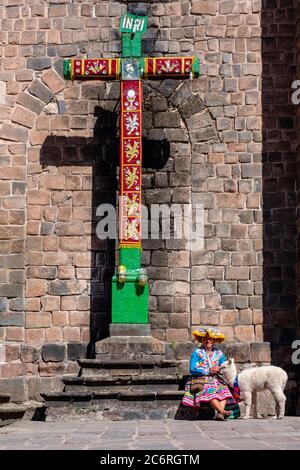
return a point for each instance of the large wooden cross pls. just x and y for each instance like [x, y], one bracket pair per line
[129, 285]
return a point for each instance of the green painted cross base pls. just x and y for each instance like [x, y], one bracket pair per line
[129, 301]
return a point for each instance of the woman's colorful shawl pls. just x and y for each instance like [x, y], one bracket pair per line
[200, 363]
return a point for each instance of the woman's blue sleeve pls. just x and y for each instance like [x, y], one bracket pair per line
[222, 359]
[197, 370]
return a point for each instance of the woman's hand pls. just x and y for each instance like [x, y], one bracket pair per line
[214, 370]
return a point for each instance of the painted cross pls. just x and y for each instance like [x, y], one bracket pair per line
[129, 286]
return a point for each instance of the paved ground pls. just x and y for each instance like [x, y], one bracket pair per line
[158, 435]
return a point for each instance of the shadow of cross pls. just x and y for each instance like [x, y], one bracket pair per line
[82, 196]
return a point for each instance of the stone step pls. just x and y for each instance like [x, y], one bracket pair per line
[112, 405]
[144, 361]
[132, 347]
[10, 412]
[4, 397]
[115, 357]
[128, 382]
[60, 398]
[113, 368]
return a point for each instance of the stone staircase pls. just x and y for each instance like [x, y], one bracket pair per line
[132, 379]
[129, 379]
[145, 388]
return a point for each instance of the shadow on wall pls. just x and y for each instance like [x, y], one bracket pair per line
[101, 153]
[281, 322]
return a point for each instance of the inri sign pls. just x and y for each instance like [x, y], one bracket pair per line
[133, 24]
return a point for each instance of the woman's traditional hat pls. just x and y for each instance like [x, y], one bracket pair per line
[210, 331]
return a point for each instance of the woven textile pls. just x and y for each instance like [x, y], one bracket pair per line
[204, 390]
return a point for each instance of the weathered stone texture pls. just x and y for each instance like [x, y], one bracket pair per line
[220, 141]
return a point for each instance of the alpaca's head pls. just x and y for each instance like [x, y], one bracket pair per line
[228, 369]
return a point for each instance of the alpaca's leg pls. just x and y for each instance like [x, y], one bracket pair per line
[254, 400]
[280, 400]
[248, 402]
[277, 410]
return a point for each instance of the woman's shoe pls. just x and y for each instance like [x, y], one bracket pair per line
[219, 417]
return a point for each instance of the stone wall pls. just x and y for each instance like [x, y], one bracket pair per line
[205, 141]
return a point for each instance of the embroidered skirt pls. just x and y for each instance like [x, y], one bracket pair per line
[205, 389]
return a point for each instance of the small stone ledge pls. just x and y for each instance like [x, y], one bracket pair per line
[134, 347]
[241, 352]
[70, 397]
[147, 362]
[123, 380]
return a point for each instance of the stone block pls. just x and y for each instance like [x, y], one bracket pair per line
[239, 351]
[181, 95]
[207, 133]
[204, 7]
[16, 304]
[30, 102]
[129, 329]
[167, 119]
[37, 320]
[53, 352]
[216, 98]
[3, 304]
[38, 63]
[12, 353]
[14, 133]
[193, 106]
[199, 120]
[29, 354]
[260, 352]
[11, 290]
[36, 287]
[179, 320]
[236, 273]
[40, 91]
[244, 333]
[16, 387]
[183, 350]
[68, 287]
[76, 351]
[226, 287]
[24, 117]
[42, 272]
[11, 319]
[69, 228]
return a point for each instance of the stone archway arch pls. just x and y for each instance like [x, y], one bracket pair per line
[184, 118]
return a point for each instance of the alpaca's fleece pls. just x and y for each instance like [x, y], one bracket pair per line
[258, 379]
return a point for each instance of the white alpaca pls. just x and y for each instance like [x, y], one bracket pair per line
[257, 379]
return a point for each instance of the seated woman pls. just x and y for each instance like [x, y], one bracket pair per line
[204, 386]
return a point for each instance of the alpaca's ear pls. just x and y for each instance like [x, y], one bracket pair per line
[230, 361]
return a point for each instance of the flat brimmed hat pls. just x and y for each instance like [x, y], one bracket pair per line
[211, 332]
